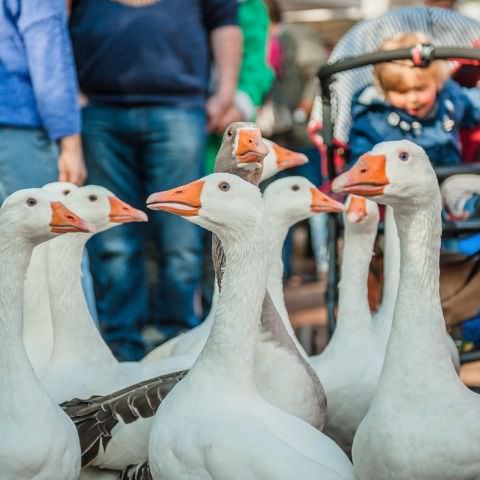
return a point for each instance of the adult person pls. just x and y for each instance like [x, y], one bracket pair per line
[39, 113]
[295, 53]
[144, 68]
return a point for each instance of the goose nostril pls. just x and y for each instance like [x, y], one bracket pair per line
[71, 217]
[363, 170]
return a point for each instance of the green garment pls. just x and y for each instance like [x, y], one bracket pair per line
[255, 77]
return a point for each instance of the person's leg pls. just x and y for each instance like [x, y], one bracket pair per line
[318, 223]
[173, 154]
[117, 255]
[28, 159]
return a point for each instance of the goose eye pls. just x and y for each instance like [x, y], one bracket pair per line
[229, 132]
[295, 188]
[403, 156]
[93, 198]
[31, 202]
[224, 186]
[66, 192]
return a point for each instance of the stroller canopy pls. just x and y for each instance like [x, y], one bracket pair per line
[445, 28]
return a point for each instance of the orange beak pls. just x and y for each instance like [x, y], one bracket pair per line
[323, 203]
[183, 200]
[249, 146]
[357, 209]
[65, 221]
[287, 158]
[121, 212]
[367, 177]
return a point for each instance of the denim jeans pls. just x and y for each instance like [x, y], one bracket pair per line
[134, 151]
[28, 159]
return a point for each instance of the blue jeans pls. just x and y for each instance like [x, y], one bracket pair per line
[28, 159]
[134, 151]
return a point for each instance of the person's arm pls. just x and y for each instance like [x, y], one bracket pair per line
[255, 77]
[227, 51]
[43, 27]
[221, 21]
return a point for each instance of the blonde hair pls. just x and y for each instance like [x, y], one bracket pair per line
[389, 76]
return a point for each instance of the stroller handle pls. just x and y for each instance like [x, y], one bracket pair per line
[421, 55]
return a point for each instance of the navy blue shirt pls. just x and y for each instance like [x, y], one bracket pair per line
[153, 53]
[374, 120]
[38, 87]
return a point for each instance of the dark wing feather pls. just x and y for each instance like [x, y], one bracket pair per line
[96, 417]
[137, 472]
[218, 259]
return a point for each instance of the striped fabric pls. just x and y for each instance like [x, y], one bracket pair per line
[445, 27]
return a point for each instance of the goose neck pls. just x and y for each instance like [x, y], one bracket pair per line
[75, 334]
[353, 307]
[230, 348]
[15, 368]
[391, 273]
[417, 345]
[277, 234]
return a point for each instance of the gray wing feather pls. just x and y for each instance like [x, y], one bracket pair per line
[96, 416]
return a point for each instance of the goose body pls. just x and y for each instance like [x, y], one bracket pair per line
[350, 365]
[215, 424]
[411, 430]
[38, 440]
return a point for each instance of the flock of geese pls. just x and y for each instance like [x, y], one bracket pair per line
[238, 398]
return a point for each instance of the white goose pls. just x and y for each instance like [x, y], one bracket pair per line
[287, 202]
[38, 440]
[350, 365]
[213, 422]
[78, 345]
[410, 431]
[191, 343]
[281, 379]
[37, 320]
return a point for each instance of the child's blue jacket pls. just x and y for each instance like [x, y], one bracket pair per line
[374, 121]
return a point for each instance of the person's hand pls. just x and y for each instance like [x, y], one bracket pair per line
[233, 114]
[70, 163]
[217, 106]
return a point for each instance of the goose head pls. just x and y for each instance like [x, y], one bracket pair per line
[394, 173]
[292, 199]
[279, 159]
[361, 214]
[37, 216]
[101, 207]
[60, 188]
[242, 151]
[221, 202]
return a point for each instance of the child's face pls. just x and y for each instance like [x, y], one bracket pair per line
[416, 95]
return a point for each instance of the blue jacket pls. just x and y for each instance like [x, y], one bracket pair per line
[374, 121]
[158, 53]
[37, 75]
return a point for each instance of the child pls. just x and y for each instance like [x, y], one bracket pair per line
[418, 104]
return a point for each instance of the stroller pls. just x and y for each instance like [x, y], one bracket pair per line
[349, 68]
